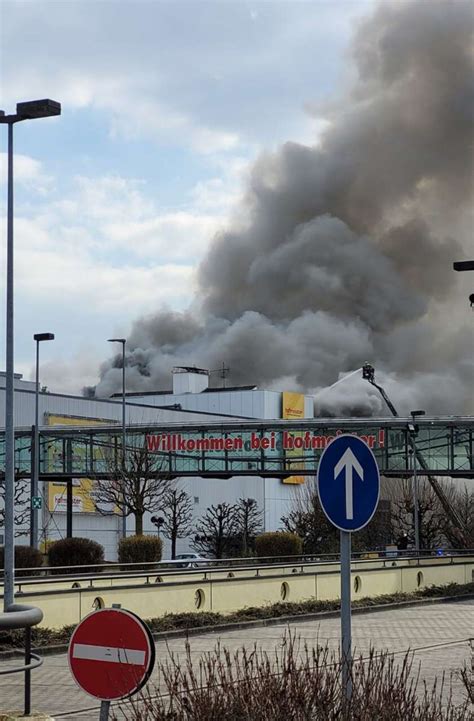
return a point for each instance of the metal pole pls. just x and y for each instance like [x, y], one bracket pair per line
[34, 480]
[28, 672]
[346, 633]
[9, 572]
[124, 510]
[69, 489]
[104, 710]
[416, 519]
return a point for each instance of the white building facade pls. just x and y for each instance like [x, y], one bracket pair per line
[190, 400]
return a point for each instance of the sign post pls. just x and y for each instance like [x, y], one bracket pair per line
[348, 487]
[111, 655]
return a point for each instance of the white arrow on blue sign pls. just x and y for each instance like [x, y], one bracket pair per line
[348, 483]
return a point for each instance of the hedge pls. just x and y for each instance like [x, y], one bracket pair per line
[76, 552]
[25, 557]
[278, 543]
[139, 549]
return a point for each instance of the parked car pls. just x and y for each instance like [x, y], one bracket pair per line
[187, 560]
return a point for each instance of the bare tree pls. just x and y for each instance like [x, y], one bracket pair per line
[22, 510]
[214, 531]
[177, 510]
[248, 522]
[306, 518]
[431, 517]
[462, 500]
[135, 486]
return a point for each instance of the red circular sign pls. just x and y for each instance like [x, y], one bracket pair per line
[111, 654]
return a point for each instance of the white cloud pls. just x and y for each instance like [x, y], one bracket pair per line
[28, 172]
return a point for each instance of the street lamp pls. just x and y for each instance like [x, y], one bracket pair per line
[38, 337]
[124, 511]
[413, 430]
[158, 521]
[24, 111]
[461, 266]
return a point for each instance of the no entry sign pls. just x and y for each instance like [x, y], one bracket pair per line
[111, 654]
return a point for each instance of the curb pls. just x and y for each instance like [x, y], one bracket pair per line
[259, 623]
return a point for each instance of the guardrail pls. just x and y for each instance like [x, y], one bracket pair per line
[205, 572]
[105, 570]
[22, 616]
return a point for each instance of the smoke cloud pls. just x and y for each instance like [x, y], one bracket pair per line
[343, 252]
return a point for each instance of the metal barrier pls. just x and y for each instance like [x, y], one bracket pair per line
[105, 570]
[21, 616]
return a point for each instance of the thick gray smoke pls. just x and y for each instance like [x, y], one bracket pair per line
[345, 251]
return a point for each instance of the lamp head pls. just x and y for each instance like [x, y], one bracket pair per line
[38, 108]
[43, 336]
[117, 340]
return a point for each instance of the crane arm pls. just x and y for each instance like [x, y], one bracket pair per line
[459, 529]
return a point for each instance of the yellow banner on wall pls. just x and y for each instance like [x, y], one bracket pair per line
[293, 406]
[83, 489]
[293, 409]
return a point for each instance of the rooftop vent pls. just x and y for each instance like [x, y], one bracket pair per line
[188, 379]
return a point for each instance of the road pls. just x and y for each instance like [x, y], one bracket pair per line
[437, 633]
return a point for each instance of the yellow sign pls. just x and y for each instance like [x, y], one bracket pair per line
[83, 489]
[293, 406]
[293, 409]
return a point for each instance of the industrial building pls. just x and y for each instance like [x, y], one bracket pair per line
[189, 400]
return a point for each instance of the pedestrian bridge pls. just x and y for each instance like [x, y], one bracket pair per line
[242, 448]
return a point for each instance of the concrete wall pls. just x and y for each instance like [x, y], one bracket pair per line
[226, 590]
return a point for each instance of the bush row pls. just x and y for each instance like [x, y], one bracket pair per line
[134, 549]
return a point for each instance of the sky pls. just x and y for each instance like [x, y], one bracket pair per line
[165, 106]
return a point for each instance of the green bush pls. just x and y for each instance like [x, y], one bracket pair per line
[139, 549]
[278, 543]
[25, 557]
[76, 552]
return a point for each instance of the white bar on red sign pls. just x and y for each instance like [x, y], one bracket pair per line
[109, 653]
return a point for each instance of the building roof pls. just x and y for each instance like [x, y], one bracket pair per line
[231, 389]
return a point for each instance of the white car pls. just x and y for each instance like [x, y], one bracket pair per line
[187, 560]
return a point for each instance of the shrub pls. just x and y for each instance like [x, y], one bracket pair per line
[25, 557]
[139, 549]
[278, 543]
[298, 681]
[76, 552]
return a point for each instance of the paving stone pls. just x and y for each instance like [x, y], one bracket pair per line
[437, 634]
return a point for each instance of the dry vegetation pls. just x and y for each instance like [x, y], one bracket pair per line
[296, 683]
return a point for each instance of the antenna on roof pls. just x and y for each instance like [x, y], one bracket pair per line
[223, 372]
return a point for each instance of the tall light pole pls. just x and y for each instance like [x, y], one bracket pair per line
[24, 111]
[461, 266]
[38, 337]
[124, 511]
[413, 429]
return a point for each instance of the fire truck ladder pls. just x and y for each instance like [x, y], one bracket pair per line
[460, 531]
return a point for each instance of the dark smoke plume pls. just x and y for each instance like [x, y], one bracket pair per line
[345, 251]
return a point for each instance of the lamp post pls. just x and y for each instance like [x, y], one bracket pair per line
[158, 521]
[24, 111]
[124, 511]
[461, 266]
[38, 337]
[413, 429]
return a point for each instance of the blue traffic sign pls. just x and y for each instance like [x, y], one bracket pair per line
[348, 483]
